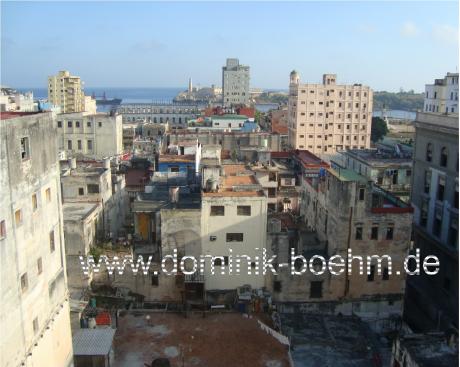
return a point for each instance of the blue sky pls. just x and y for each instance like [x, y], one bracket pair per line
[386, 45]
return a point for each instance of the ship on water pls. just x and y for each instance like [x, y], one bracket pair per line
[106, 102]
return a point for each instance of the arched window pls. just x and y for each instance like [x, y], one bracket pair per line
[429, 152]
[443, 160]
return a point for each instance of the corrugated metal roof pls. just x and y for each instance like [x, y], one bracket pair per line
[93, 342]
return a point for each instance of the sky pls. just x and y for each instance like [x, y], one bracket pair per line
[386, 45]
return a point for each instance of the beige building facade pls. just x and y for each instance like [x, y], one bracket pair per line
[89, 135]
[66, 91]
[327, 117]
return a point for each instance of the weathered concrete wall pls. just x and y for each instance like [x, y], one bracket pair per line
[27, 243]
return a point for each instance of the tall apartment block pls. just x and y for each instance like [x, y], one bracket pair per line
[432, 301]
[327, 117]
[66, 91]
[235, 83]
[442, 96]
[35, 319]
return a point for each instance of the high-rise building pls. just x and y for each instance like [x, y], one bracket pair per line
[66, 91]
[323, 118]
[442, 96]
[432, 300]
[35, 319]
[235, 83]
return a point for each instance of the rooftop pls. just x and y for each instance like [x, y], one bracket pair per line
[376, 157]
[430, 350]
[339, 341]
[308, 159]
[185, 158]
[10, 115]
[220, 339]
[345, 174]
[93, 342]
[78, 211]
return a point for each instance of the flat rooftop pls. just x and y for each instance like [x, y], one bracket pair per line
[186, 158]
[78, 211]
[224, 340]
[345, 174]
[377, 157]
[327, 340]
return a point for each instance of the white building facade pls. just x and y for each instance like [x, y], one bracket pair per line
[235, 83]
[35, 319]
[442, 96]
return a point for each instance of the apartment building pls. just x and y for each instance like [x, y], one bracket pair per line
[88, 135]
[235, 83]
[389, 168]
[442, 95]
[343, 210]
[432, 301]
[323, 118]
[35, 308]
[66, 91]
[233, 216]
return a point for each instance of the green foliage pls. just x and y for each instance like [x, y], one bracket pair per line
[379, 129]
[272, 98]
[96, 252]
[405, 101]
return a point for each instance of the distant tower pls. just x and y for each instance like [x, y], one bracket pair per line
[190, 86]
[295, 77]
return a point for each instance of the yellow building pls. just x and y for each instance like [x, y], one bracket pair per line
[66, 91]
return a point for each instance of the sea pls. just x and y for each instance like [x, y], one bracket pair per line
[166, 95]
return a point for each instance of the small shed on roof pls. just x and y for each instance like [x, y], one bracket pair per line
[92, 347]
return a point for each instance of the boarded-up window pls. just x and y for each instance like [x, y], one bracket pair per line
[217, 210]
[243, 210]
[234, 237]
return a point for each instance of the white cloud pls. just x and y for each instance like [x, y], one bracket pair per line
[445, 33]
[409, 29]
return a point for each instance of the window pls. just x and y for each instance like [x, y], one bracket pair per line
[427, 181]
[389, 234]
[429, 152]
[408, 173]
[92, 188]
[441, 187]
[69, 144]
[443, 159]
[371, 274]
[18, 217]
[79, 144]
[59, 124]
[316, 289]
[25, 151]
[272, 176]
[277, 286]
[90, 144]
[88, 123]
[243, 210]
[359, 233]
[375, 233]
[52, 243]
[69, 123]
[39, 265]
[24, 282]
[174, 169]
[385, 275]
[35, 325]
[217, 210]
[34, 202]
[424, 213]
[234, 237]
[271, 192]
[361, 194]
[437, 224]
[99, 124]
[48, 195]
[2, 229]
[155, 280]
[81, 191]
[77, 123]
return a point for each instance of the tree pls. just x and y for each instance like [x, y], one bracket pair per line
[379, 129]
